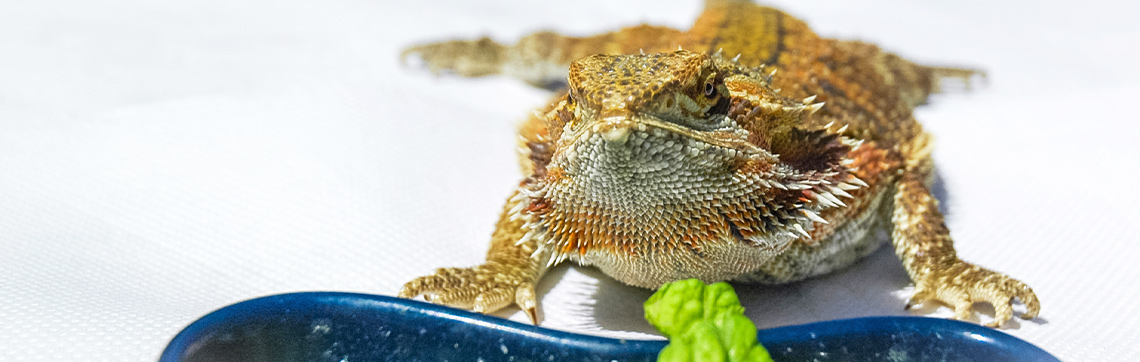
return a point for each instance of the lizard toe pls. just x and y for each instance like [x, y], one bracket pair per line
[921, 295]
[1003, 311]
[493, 299]
[1025, 294]
[443, 279]
[526, 298]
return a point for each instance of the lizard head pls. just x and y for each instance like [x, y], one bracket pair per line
[681, 93]
[683, 88]
[684, 107]
[666, 152]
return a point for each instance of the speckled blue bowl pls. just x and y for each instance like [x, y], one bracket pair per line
[344, 327]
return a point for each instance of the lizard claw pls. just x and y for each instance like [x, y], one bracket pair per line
[525, 298]
[962, 284]
[483, 289]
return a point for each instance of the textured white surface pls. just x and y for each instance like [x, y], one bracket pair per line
[161, 159]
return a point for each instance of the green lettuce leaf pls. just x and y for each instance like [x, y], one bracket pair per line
[704, 323]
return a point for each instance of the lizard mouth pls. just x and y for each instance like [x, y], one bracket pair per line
[618, 142]
[616, 127]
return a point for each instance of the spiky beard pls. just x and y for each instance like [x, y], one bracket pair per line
[653, 193]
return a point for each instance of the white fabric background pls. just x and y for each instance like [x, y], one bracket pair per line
[161, 159]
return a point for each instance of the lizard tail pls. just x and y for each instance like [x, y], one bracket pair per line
[716, 3]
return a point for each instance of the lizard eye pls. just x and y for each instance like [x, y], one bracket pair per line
[710, 88]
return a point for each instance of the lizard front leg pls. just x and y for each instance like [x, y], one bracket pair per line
[923, 243]
[509, 275]
[540, 59]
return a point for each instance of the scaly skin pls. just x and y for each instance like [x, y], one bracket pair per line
[673, 164]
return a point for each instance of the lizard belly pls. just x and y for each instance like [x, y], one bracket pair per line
[718, 260]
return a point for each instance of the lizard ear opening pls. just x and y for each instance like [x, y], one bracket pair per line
[808, 150]
[721, 107]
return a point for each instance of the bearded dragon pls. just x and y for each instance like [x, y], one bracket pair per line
[747, 148]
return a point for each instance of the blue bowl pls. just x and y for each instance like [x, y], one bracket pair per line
[345, 327]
